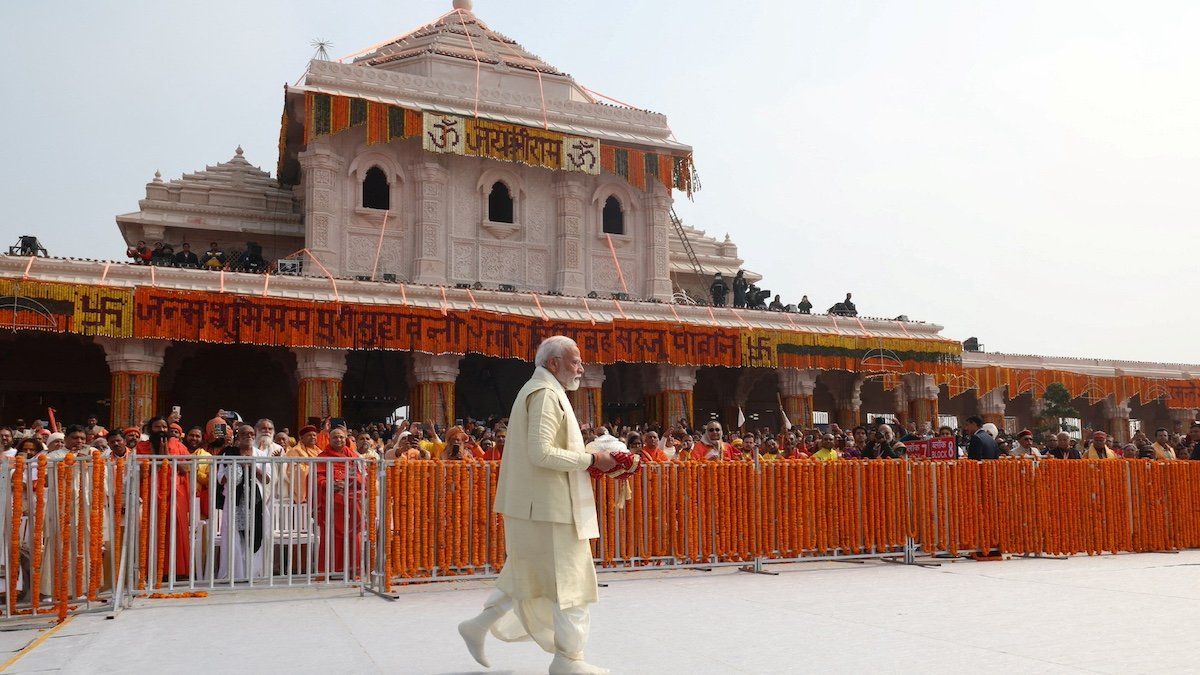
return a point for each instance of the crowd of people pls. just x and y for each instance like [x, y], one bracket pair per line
[214, 258]
[242, 489]
[471, 440]
[747, 295]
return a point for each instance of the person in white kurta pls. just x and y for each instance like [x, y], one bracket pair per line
[238, 514]
[545, 495]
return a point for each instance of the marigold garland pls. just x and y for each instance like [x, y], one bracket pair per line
[118, 512]
[82, 525]
[14, 549]
[143, 523]
[437, 517]
[372, 510]
[63, 568]
[39, 532]
[162, 535]
[96, 533]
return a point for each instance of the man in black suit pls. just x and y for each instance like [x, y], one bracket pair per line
[981, 445]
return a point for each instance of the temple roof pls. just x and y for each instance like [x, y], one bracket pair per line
[460, 34]
[459, 65]
[237, 173]
[233, 196]
[713, 255]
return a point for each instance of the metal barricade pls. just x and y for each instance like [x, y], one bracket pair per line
[90, 534]
[60, 548]
[236, 522]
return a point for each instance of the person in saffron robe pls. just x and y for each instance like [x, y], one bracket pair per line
[457, 448]
[652, 451]
[344, 482]
[708, 448]
[297, 474]
[161, 443]
[491, 451]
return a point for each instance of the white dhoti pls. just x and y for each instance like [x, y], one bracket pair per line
[545, 587]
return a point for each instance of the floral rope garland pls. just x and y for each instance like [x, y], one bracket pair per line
[39, 531]
[18, 511]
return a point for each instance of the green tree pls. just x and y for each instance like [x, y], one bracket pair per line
[1056, 404]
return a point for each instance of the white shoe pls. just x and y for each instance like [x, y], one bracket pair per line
[473, 632]
[562, 665]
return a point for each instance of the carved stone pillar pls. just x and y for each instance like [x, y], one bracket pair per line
[587, 400]
[847, 399]
[568, 200]
[432, 396]
[319, 167]
[796, 389]
[922, 395]
[135, 366]
[992, 407]
[430, 265]
[658, 279]
[1116, 418]
[673, 398]
[320, 373]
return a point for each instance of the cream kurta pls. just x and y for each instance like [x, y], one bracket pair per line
[546, 497]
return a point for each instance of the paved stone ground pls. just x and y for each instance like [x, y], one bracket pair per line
[1112, 614]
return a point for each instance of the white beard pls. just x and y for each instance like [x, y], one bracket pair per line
[573, 385]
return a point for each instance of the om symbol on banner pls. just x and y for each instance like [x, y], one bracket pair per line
[581, 154]
[443, 133]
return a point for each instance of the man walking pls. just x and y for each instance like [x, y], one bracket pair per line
[549, 512]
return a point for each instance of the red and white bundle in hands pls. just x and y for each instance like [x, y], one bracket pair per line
[628, 466]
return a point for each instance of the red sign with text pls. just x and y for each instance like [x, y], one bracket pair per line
[934, 448]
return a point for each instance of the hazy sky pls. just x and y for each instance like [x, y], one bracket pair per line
[1025, 172]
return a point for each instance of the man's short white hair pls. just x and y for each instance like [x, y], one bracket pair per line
[557, 345]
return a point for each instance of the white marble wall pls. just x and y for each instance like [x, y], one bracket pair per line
[437, 229]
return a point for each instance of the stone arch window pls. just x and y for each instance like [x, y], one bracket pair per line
[376, 193]
[614, 216]
[500, 203]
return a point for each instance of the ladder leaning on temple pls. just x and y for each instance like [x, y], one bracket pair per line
[691, 253]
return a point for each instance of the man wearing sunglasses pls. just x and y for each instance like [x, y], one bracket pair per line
[711, 446]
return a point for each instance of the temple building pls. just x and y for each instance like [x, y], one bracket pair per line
[441, 202]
